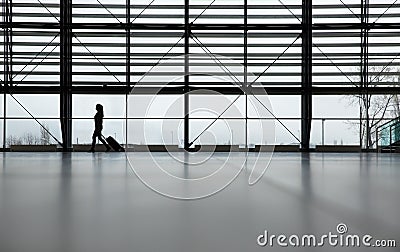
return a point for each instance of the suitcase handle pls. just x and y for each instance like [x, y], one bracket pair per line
[121, 148]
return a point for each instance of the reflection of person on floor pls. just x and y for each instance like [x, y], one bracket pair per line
[98, 127]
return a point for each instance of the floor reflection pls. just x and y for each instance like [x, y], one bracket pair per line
[81, 202]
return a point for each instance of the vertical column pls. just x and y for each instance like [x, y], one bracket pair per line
[10, 44]
[7, 58]
[245, 80]
[364, 83]
[186, 79]
[66, 73]
[323, 131]
[306, 75]
[128, 66]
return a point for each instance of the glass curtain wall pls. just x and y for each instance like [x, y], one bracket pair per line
[130, 56]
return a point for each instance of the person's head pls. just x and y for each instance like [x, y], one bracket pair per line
[99, 108]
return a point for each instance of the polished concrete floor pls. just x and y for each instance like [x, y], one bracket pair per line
[95, 202]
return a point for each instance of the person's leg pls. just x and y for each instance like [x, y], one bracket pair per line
[93, 141]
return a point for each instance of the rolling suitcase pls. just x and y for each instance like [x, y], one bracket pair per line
[114, 144]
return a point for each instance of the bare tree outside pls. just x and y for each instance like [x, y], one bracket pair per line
[30, 138]
[375, 108]
[13, 140]
[27, 139]
[44, 135]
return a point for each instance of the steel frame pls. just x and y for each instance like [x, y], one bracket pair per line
[186, 90]
[7, 59]
[306, 75]
[364, 71]
[66, 88]
[66, 73]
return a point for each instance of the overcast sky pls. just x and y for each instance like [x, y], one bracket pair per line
[283, 107]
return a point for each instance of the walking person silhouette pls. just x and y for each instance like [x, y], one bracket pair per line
[98, 127]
